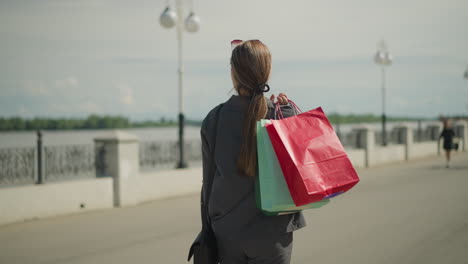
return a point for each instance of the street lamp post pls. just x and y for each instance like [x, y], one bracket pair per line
[168, 19]
[466, 77]
[383, 58]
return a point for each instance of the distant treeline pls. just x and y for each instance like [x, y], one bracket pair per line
[103, 122]
[91, 122]
[365, 118]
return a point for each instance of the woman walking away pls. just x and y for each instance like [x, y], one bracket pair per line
[447, 134]
[243, 233]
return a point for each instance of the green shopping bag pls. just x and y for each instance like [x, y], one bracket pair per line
[272, 193]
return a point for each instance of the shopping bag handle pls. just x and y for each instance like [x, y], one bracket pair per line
[278, 112]
[299, 111]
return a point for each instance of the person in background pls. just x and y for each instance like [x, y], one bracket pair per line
[447, 134]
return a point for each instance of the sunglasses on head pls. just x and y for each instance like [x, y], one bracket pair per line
[237, 42]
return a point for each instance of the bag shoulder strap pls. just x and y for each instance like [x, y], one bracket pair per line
[212, 168]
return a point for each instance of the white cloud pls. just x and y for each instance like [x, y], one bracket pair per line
[35, 88]
[43, 88]
[90, 107]
[341, 108]
[67, 83]
[431, 100]
[400, 102]
[126, 94]
[23, 111]
[81, 3]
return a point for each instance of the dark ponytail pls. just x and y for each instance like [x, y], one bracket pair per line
[251, 66]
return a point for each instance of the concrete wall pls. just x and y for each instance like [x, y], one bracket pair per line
[423, 149]
[391, 153]
[406, 149]
[37, 201]
[171, 183]
[381, 155]
[122, 164]
[357, 157]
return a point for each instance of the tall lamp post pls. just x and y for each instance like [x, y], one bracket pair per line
[465, 75]
[466, 72]
[383, 58]
[169, 19]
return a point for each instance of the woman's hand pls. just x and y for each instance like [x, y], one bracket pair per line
[281, 99]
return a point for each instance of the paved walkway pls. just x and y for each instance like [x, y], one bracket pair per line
[401, 213]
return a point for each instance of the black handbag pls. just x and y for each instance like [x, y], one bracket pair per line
[204, 249]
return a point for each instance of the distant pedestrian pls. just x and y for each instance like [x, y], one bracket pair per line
[243, 233]
[447, 134]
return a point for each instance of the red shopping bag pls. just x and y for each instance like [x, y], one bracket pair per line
[314, 163]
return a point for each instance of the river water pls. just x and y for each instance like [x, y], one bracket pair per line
[67, 137]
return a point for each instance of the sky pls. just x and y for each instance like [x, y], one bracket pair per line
[73, 58]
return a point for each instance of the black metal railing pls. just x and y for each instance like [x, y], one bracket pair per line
[348, 140]
[68, 162]
[100, 159]
[29, 165]
[164, 154]
[393, 137]
[17, 166]
[424, 136]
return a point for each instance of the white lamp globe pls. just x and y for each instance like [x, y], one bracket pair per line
[192, 23]
[168, 18]
[388, 58]
[379, 57]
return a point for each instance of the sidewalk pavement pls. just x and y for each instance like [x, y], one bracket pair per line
[400, 213]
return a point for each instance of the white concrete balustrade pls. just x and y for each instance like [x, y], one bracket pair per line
[121, 183]
[122, 164]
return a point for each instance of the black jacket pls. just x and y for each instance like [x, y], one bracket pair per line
[232, 206]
